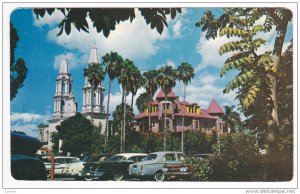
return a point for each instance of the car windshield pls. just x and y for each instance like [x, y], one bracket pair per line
[117, 159]
[150, 157]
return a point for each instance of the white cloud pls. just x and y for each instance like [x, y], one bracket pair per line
[28, 122]
[178, 23]
[55, 18]
[25, 117]
[28, 129]
[134, 40]
[207, 79]
[74, 61]
[177, 28]
[208, 50]
[116, 99]
[203, 89]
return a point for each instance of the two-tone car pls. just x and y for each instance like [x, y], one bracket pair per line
[115, 168]
[60, 164]
[75, 169]
[153, 164]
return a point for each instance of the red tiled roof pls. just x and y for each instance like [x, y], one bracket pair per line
[144, 114]
[203, 114]
[214, 107]
[161, 94]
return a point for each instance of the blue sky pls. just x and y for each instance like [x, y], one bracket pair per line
[181, 41]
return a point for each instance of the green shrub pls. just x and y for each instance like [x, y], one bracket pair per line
[202, 169]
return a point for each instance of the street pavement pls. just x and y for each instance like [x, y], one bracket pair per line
[72, 179]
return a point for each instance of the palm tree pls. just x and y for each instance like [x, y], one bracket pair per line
[136, 82]
[124, 78]
[112, 63]
[95, 76]
[167, 80]
[142, 101]
[151, 87]
[231, 118]
[185, 74]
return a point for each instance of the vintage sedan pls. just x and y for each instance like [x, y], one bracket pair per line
[178, 171]
[153, 164]
[75, 169]
[116, 167]
[60, 164]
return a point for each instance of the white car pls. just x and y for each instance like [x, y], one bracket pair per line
[75, 169]
[153, 164]
[60, 164]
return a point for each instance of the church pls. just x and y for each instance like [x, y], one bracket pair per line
[65, 105]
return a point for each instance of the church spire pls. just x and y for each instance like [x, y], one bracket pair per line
[64, 68]
[98, 95]
[93, 55]
[64, 101]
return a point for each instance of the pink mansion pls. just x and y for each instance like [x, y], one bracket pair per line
[195, 118]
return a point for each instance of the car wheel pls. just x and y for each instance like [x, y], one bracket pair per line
[118, 176]
[88, 178]
[159, 175]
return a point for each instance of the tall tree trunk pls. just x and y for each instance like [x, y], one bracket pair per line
[165, 123]
[131, 106]
[107, 114]
[184, 92]
[149, 122]
[273, 122]
[124, 126]
[122, 123]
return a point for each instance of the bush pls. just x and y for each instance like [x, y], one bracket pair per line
[202, 169]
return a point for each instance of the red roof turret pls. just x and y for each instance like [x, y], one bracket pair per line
[161, 94]
[214, 108]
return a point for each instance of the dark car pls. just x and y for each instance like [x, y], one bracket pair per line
[116, 167]
[24, 164]
[75, 169]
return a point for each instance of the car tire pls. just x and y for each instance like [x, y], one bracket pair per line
[88, 178]
[118, 176]
[159, 176]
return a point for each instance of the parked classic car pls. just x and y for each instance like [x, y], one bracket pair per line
[178, 171]
[60, 164]
[24, 164]
[153, 163]
[75, 169]
[116, 167]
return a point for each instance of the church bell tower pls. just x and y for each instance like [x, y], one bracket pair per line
[64, 101]
[87, 90]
